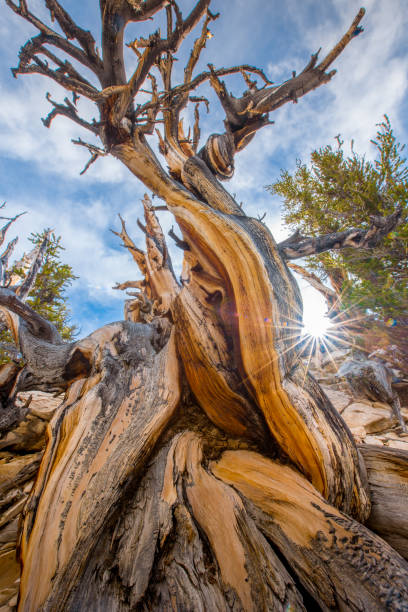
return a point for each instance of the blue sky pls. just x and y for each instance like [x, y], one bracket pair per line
[40, 167]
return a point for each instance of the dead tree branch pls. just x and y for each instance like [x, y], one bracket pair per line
[182, 244]
[71, 112]
[95, 151]
[38, 326]
[330, 296]
[298, 246]
[3, 230]
[24, 289]
[137, 254]
[4, 261]
[140, 284]
[87, 56]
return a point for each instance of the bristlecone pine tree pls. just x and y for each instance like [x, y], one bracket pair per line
[194, 464]
[368, 296]
[39, 278]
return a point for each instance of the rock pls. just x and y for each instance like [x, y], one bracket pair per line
[394, 441]
[339, 399]
[381, 405]
[373, 419]
[330, 361]
[373, 440]
[370, 378]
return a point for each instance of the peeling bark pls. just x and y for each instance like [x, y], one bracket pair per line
[194, 464]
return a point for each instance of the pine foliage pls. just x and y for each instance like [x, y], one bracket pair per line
[48, 295]
[336, 191]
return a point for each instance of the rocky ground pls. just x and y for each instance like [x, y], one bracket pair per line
[371, 422]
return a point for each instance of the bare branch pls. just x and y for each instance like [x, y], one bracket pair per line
[167, 98]
[315, 282]
[137, 254]
[24, 289]
[155, 46]
[38, 326]
[152, 112]
[140, 284]
[3, 230]
[201, 99]
[199, 45]
[352, 238]
[65, 74]
[247, 114]
[70, 111]
[73, 31]
[182, 244]
[95, 151]
[353, 31]
[141, 11]
[196, 128]
[88, 57]
[4, 260]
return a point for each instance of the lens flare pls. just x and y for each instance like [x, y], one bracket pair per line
[316, 324]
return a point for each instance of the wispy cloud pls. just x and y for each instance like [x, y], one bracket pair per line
[371, 80]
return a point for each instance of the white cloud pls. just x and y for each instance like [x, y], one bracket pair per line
[371, 80]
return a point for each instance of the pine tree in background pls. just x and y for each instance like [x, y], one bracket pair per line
[338, 190]
[368, 297]
[47, 295]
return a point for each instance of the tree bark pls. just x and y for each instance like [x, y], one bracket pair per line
[388, 478]
[194, 463]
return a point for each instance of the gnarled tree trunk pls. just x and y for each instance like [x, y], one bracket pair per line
[194, 463]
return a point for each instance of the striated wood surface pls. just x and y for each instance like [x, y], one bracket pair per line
[136, 505]
[387, 470]
[264, 323]
[184, 541]
[338, 560]
[99, 440]
[21, 449]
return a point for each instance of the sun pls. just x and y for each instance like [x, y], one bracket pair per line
[316, 327]
[315, 321]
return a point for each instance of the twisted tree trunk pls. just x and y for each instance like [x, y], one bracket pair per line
[194, 463]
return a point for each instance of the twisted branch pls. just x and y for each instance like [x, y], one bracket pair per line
[71, 112]
[297, 246]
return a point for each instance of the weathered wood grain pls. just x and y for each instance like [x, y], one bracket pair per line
[338, 560]
[128, 512]
[99, 438]
[387, 470]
